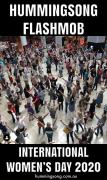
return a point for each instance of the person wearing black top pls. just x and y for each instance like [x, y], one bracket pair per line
[92, 109]
[27, 93]
[60, 100]
[49, 69]
[17, 106]
[49, 132]
[53, 82]
[96, 80]
[4, 129]
[83, 139]
[60, 89]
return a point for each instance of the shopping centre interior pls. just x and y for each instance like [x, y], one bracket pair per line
[53, 89]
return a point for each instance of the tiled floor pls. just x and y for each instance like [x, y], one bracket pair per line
[59, 136]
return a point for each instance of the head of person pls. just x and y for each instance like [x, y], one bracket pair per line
[71, 124]
[81, 93]
[94, 100]
[48, 124]
[17, 132]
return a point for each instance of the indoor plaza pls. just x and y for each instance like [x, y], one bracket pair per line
[53, 90]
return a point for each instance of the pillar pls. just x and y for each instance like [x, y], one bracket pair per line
[58, 40]
[43, 41]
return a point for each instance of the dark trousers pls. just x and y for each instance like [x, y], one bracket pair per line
[50, 137]
[23, 131]
[77, 126]
[71, 135]
[95, 86]
[81, 73]
[41, 102]
[68, 89]
[99, 130]
[20, 72]
[61, 106]
[91, 114]
[84, 91]
[66, 107]
[17, 110]
[56, 65]
[39, 130]
[37, 109]
[13, 119]
[105, 84]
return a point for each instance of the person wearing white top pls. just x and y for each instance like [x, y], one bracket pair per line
[21, 125]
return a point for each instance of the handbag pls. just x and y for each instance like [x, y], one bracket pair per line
[67, 130]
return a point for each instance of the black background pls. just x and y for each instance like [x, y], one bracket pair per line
[14, 25]
[97, 153]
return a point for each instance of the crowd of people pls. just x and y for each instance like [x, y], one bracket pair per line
[84, 80]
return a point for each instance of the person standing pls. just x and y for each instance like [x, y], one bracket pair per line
[67, 100]
[21, 125]
[12, 111]
[53, 96]
[92, 109]
[30, 111]
[36, 101]
[100, 124]
[41, 123]
[96, 83]
[27, 93]
[3, 127]
[79, 121]
[69, 130]
[49, 132]
[99, 99]
[52, 111]
[60, 69]
[72, 105]
[60, 100]
[20, 137]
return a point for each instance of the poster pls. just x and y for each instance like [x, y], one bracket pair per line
[53, 89]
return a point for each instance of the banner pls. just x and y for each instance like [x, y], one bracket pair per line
[24, 17]
[53, 161]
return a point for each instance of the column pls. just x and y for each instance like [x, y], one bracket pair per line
[23, 40]
[58, 40]
[43, 41]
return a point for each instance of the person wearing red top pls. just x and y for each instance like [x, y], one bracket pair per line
[12, 111]
[99, 73]
[36, 101]
[41, 123]
[68, 66]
